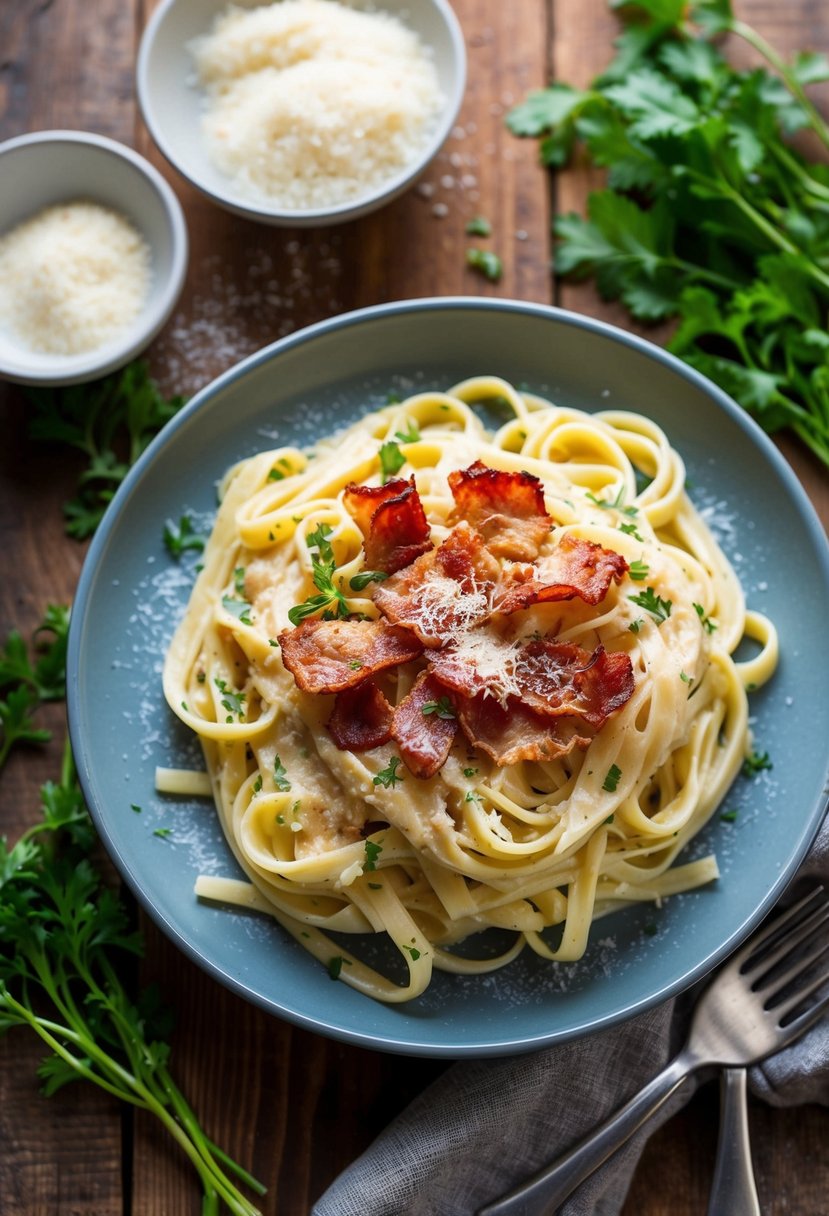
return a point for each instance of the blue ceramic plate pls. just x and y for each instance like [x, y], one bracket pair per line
[131, 595]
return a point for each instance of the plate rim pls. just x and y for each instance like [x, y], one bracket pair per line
[322, 1024]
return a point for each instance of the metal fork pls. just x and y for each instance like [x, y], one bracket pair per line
[733, 1190]
[757, 1004]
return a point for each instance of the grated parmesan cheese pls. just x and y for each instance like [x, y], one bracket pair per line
[72, 278]
[310, 104]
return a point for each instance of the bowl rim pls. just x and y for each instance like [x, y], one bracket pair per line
[316, 216]
[75, 369]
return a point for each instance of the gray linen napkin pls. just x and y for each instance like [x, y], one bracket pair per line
[486, 1125]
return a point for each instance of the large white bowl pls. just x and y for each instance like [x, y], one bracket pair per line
[49, 167]
[172, 103]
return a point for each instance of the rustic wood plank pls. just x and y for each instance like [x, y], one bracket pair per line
[61, 66]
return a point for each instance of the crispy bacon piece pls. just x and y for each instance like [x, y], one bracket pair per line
[331, 656]
[576, 567]
[548, 677]
[393, 523]
[442, 591]
[361, 718]
[424, 739]
[515, 732]
[506, 508]
[561, 678]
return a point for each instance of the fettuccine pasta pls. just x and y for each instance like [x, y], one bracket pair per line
[447, 679]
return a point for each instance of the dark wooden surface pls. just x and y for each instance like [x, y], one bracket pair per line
[293, 1107]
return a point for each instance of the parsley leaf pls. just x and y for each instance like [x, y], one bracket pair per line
[391, 459]
[110, 421]
[442, 708]
[653, 603]
[638, 570]
[360, 581]
[373, 851]
[29, 680]
[179, 538]
[387, 777]
[280, 776]
[478, 226]
[755, 763]
[486, 263]
[612, 778]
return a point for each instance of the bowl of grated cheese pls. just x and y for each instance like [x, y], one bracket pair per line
[301, 113]
[93, 255]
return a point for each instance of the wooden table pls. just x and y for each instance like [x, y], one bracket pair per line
[293, 1107]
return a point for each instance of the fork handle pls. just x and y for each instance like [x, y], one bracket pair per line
[733, 1191]
[547, 1190]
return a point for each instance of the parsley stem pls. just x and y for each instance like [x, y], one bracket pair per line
[756, 40]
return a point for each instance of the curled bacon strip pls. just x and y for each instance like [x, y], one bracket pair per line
[361, 718]
[506, 508]
[443, 590]
[393, 523]
[424, 739]
[550, 678]
[331, 656]
[576, 567]
[515, 732]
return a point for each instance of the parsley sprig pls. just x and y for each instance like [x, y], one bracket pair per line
[30, 677]
[653, 603]
[111, 422]
[63, 932]
[711, 215]
[330, 599]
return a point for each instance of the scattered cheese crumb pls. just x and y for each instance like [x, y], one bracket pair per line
[72, 278]
[311, 104]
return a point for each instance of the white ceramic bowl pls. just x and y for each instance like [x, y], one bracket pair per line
[51, 167]
[172, 103]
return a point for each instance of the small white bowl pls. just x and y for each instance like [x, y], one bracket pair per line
[172, 103]
[50, 167]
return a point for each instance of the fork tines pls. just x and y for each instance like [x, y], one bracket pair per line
[789, 962]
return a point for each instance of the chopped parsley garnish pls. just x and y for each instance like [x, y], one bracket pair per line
[360, 581]
[355, 665]
[614, 504]
[135, 807]
[387, 777]
[238, 608]
[636, 625]
[630, 530]
[410, 436]
[413, 951]
[653, 603]
[391, 459]
[257, 785]
[469, 772]
[181, 537]
[706, 622]
[335, 966]
[478, 226]
[638, 570]
[239, 580]
[471, 796]
[612, 779]
[280, 777]
[686, 679]
[443, 708]
[233, 702]
[275, 475]
[486, 263]
[755, 763]
[163, 833]
[330, 599]
[729, 816]
[373, 851]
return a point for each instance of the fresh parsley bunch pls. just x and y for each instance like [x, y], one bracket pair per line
[28, 680]
[63, 938]
[711, 215]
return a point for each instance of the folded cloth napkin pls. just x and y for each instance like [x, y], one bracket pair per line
[486, 1125]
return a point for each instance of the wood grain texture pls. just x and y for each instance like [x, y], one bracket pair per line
[291, 1106]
